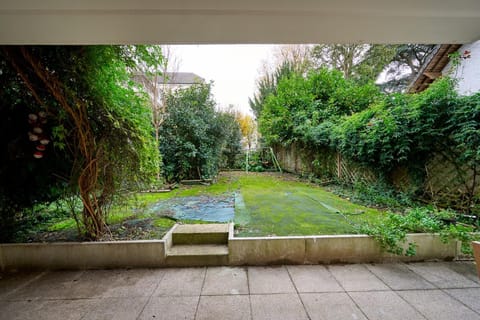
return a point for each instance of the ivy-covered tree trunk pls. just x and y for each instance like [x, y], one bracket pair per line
[98, 121]
[88, 180]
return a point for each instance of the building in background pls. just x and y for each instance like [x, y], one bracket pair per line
[467, 72]
[157, 86]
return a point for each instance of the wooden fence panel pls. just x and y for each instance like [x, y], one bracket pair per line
[446, 181]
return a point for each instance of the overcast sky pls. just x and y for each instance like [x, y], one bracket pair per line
[233, 68]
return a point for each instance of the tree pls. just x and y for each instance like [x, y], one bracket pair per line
[299, 57]
[267, 84]
[193, 134]
[232, 146]
[248, 128]
[303, 108]
[99, 124]
[157, 70]
[405, 65]
[360, 62]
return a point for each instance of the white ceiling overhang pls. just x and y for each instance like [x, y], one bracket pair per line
[239, 21]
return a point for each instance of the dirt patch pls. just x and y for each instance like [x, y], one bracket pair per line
[129, 229]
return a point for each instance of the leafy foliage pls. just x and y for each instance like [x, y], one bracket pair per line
[381, 131]
[391, 232]
[360, 62]
[194, 134]
[99, 125]
[303, 108]
[267, 85]
[232, 147]
[323, 111]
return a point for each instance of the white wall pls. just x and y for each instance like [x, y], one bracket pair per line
[468, 72]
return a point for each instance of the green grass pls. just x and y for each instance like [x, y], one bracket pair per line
[266, 204]
[62, 225]
[275, 206]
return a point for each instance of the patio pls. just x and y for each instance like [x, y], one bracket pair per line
[428, 290]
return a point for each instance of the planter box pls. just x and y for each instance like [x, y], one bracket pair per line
[476, 253]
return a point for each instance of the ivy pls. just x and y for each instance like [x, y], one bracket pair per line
[391, 231]
[98, 121]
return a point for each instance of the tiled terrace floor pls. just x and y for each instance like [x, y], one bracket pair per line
[435, 290]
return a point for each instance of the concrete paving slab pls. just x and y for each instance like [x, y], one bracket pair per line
[331, 305]
[269, 280]
[171, 308]
[224, 307]
[52, 285]
[181, 282]
[470, 297]
[439, 274]
[116, 283]
[277, 306]
[51, 295]
[437, 305]
[10, 282]
[398, 277]
[117, 308]
[356, 277]
[104, 283]
[225, 281]
[89, 285]
[46, 309]
[378, 305]
[133, 283]
[468, 269]
[313, 278]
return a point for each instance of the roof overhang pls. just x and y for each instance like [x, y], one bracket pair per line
[433, 67]
[238, 21]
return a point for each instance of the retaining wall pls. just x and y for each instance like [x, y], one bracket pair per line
[82, 255]
[242, 251]
[332, 249]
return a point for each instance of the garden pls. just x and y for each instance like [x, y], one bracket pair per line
[260, 204]
[92, 154]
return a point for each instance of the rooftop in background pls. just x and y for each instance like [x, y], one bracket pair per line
[174, 78]
[433, 68]
[180, 78]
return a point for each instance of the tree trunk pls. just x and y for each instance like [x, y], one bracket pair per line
[88, 180]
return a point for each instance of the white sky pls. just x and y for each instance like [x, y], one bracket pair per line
[233, 68]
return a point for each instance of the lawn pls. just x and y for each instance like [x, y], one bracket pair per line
[266, 204]
[281, 205]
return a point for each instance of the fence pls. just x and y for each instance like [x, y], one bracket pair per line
[323, 163]
[446, 180]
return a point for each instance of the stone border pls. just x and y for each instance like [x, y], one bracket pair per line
[242, 251]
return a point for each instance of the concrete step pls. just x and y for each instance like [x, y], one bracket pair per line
[197, 255]
[200, 234]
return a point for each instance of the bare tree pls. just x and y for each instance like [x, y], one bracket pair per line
[156, 82]
[299, 56]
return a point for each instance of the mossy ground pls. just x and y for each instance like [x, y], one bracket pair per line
[282, 205]
[265, 204]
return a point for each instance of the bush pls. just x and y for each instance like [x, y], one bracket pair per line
[392, 230]
[194, 135]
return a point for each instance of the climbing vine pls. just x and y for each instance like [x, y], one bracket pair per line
[100, 123]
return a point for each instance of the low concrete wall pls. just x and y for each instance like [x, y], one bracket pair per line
[242, 251]
[332, 249]
[263, 251]
[82, 255]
